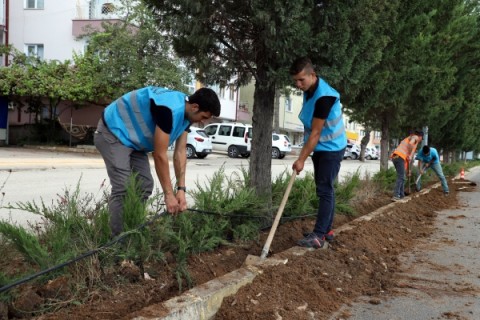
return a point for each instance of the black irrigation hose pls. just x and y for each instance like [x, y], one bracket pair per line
[124, 235]
[226, 216]
[82, 256]
[249, 216]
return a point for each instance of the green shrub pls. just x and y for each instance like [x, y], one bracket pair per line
[26, 243]
[385, 179]
[302, 200]
[345, 192]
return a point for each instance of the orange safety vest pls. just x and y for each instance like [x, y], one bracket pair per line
[405, 149]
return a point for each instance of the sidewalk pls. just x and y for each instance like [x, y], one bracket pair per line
[441, 278]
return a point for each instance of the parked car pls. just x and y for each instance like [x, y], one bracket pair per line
[233, 138]
[198, 143]
[371, 153]
[352, 152]
[280, 146]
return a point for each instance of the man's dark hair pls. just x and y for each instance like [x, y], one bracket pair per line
[207, 100]
[426, 149]
[301, 63]
[418, 133]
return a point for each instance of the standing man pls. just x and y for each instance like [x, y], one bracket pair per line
[325, 136]
[429, 158]
[146, 120]
[402, 157]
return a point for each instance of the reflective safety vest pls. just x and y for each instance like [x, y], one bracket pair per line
[333, 136]
[405, 149]
[130, 120]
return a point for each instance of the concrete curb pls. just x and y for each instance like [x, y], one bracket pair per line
[78, 149]
[202, 302]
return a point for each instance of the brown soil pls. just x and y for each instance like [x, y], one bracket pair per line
[361, 261]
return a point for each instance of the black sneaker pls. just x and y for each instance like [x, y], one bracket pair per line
[312, 241]
[330, 236]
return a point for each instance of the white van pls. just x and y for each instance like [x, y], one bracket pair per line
[233, 138]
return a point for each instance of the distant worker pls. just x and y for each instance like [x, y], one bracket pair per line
[402, 158]
[325, 136]
[428, 158]
[149, 120]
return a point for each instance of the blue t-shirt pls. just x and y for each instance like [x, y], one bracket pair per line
[431, 158]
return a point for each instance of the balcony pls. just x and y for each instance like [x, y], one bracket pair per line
[92, 14]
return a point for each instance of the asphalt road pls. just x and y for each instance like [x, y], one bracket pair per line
[28, 175]
[441, 276]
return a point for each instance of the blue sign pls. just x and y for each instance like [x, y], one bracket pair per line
[3, 112]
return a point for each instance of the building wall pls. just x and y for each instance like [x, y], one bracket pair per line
[51, 26]
[289, 123]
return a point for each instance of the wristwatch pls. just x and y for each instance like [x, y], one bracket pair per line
[182, 188]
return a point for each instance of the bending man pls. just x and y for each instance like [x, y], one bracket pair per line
[402, 158]
[149, 120]
[428, 158]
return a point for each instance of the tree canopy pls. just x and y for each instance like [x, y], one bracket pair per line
[259, 39]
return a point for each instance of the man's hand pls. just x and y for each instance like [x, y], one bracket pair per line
[298, 165]
[172, 204]
[182, 202]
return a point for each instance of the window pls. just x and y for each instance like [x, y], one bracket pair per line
[34, 50]
[33, 4]
[224, 130]
[232, 93]
[222, 92]
[107, 8]
[239, 132]
[211, 130]
[288, 104]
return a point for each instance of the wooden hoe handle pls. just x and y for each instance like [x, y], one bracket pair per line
[266, 247]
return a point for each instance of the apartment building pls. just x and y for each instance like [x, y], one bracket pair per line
[50, 29]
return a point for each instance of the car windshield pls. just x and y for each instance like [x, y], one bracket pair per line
[286, 138]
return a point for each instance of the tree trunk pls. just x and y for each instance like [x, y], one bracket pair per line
[363, 144]
[384, 150]
[261, 154]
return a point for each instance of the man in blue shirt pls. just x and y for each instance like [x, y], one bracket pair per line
[325, 136]
[144, 121]
[428, 158]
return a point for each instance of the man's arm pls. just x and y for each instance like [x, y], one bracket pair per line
[413, 141]
[309, 146]
[180, 166]
[160, 158]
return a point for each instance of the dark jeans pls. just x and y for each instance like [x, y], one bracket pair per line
[399, 190]
[326, 165]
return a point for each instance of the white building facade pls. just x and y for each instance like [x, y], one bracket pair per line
[50, 29]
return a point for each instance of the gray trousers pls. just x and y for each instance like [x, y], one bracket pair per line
[121, 163]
